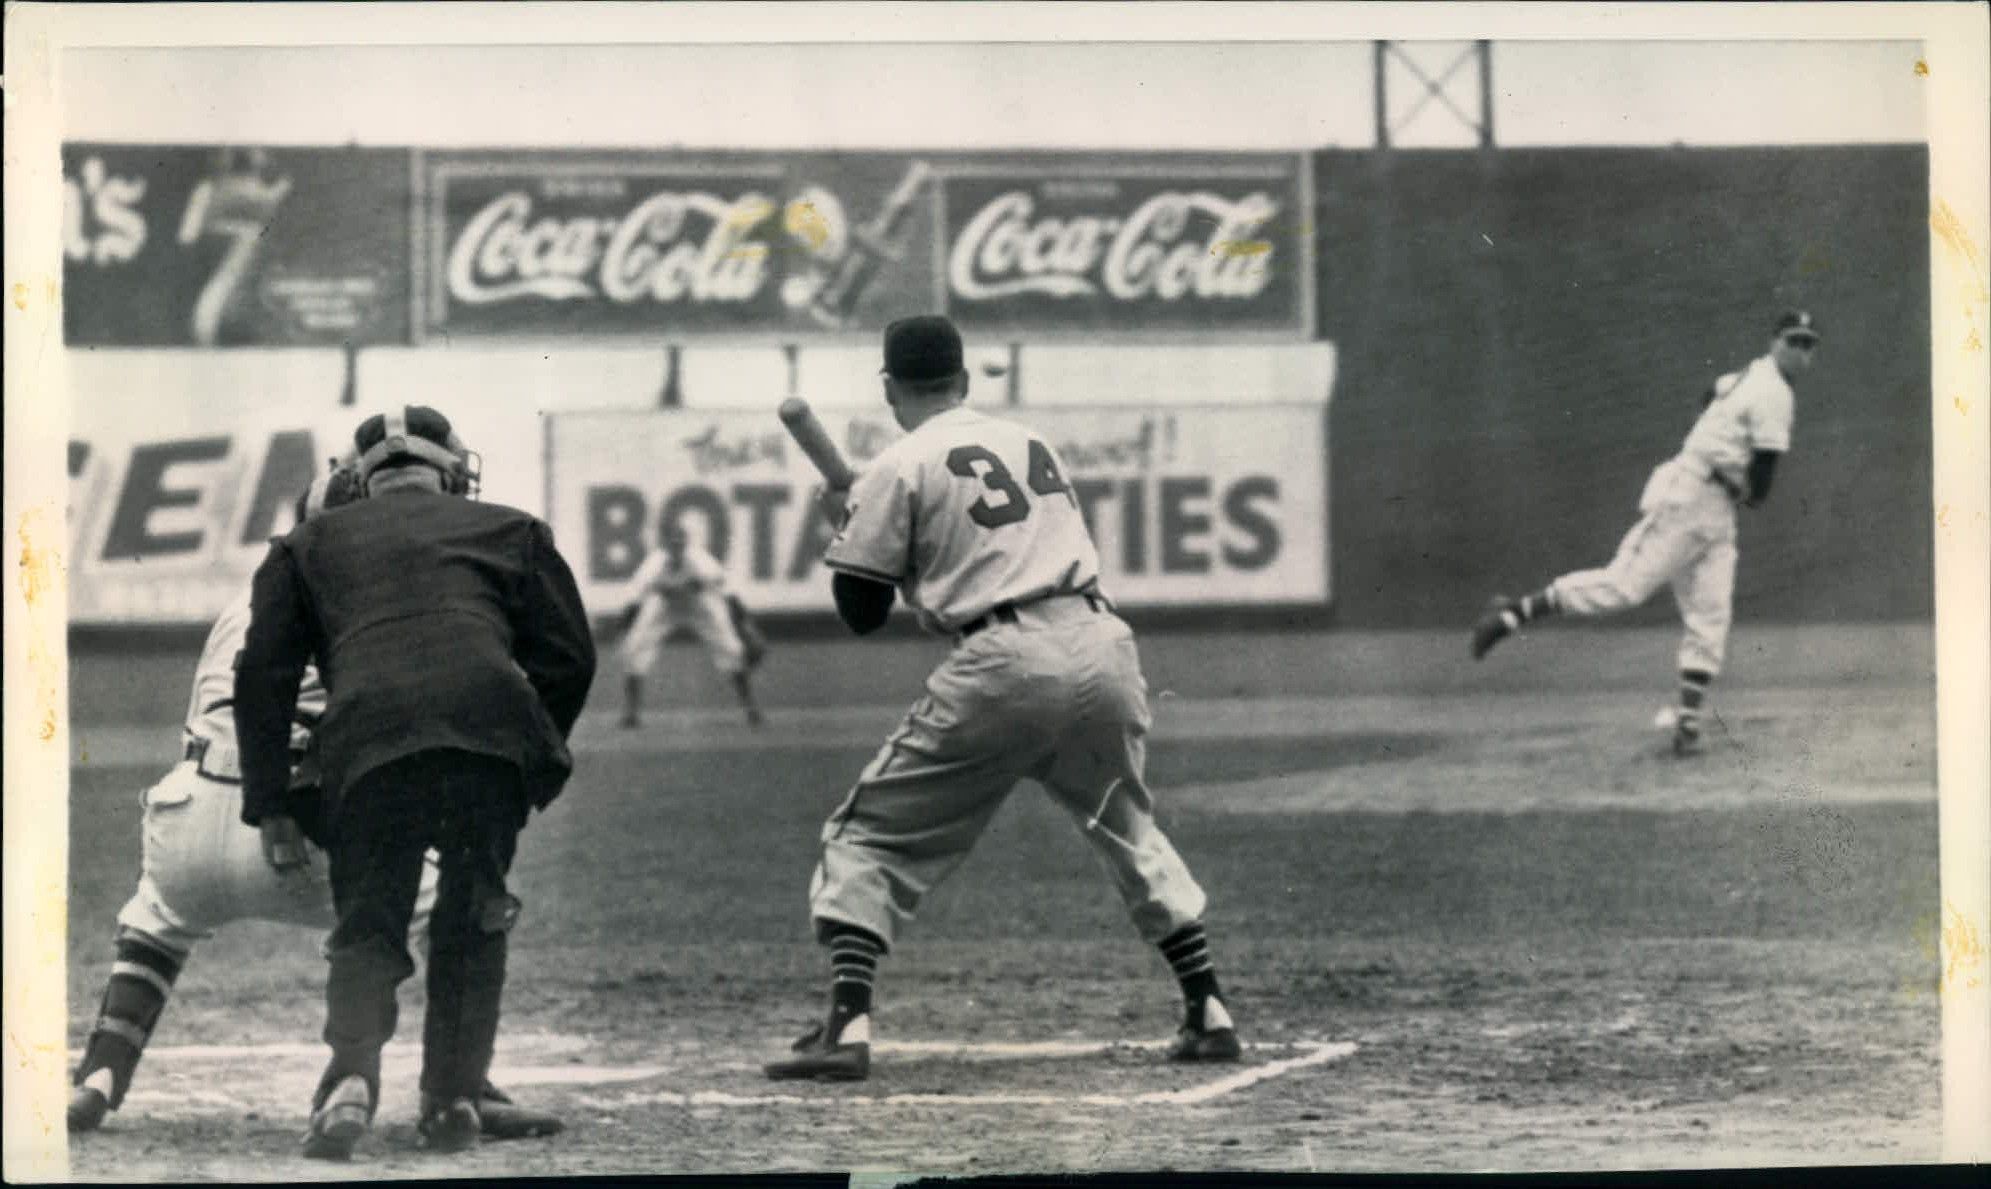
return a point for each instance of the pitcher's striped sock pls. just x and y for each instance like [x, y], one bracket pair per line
[141, 981]
[1693, 692]
[1535, 606]
[1188, 953]
[854, 955]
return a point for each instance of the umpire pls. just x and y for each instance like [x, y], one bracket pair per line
[455, 655]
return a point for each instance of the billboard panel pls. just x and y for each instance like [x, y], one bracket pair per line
[166, 528]
[202, 246]
[1189, 505]
[678, 245]
[1086, 248]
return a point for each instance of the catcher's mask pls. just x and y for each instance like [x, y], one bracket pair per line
[418, 434]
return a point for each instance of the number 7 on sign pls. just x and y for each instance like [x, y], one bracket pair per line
[237, 207]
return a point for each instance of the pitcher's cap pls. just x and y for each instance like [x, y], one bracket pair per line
[1797, 324]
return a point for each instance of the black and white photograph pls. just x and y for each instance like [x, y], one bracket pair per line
[993, 590]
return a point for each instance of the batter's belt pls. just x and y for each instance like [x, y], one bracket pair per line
[1007, 612]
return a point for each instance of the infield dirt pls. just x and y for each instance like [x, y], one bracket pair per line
[1551, 944]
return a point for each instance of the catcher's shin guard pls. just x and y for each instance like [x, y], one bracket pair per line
[135, 995]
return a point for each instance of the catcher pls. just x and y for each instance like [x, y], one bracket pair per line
[203, 868]
[682, 588]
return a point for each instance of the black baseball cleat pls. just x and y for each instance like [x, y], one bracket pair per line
[1206, 1035]
[1686, 738]
[338, 1124]
[501, 1118]
[450, 1125]
[89, 1102]
[1501, 619]
[842, 1056]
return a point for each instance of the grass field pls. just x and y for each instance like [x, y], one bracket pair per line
[1469, 918]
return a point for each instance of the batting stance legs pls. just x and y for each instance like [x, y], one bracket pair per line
[1685, 538]
[1055, 695]
[470, 808]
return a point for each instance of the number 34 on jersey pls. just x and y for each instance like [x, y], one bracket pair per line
[964, 512]
[1004, 502]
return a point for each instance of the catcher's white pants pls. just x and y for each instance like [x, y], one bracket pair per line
[707, 618]
[1057, 697]
[1685, 537]
[203, 868]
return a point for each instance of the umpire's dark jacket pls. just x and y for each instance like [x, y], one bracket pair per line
[436, 622]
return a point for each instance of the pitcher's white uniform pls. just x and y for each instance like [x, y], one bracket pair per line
[972, 519]
[687, 594]
[1686, 529]
[202, 866]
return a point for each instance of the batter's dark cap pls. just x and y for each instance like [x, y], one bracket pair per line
[1797, 324]
[921, 349]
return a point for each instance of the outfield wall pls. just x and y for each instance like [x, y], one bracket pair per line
[1523, 334]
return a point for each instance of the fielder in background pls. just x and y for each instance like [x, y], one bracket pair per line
[972, 520]
[456, 657]
[202, 868]
[1685, 535]
[682, 588]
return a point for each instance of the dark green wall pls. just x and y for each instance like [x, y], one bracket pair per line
[1524, 333]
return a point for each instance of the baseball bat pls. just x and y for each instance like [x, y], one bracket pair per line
[802, 425]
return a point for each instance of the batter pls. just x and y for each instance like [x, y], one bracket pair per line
[971, 520]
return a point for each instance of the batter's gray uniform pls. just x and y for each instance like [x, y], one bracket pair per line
[971, 518]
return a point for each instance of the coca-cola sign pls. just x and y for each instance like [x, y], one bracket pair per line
[666, 244]
[762, 245]
[1064, 248]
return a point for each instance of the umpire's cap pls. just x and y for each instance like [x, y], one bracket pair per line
[1798, 326]
[417, 434]
[922, 349]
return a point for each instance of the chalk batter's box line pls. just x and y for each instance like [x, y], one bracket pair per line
[1311, 1054]
[1316, 1054]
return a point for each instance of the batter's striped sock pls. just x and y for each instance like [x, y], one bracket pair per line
[854, 955]
[1188, 953]
[1693, 692]
[141, 981]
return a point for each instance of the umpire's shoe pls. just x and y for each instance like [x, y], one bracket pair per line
[1207, 1035]
[338, 1124]
[842, 1055]
[449, 1124]
[504, 1119]
[1500, 621]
